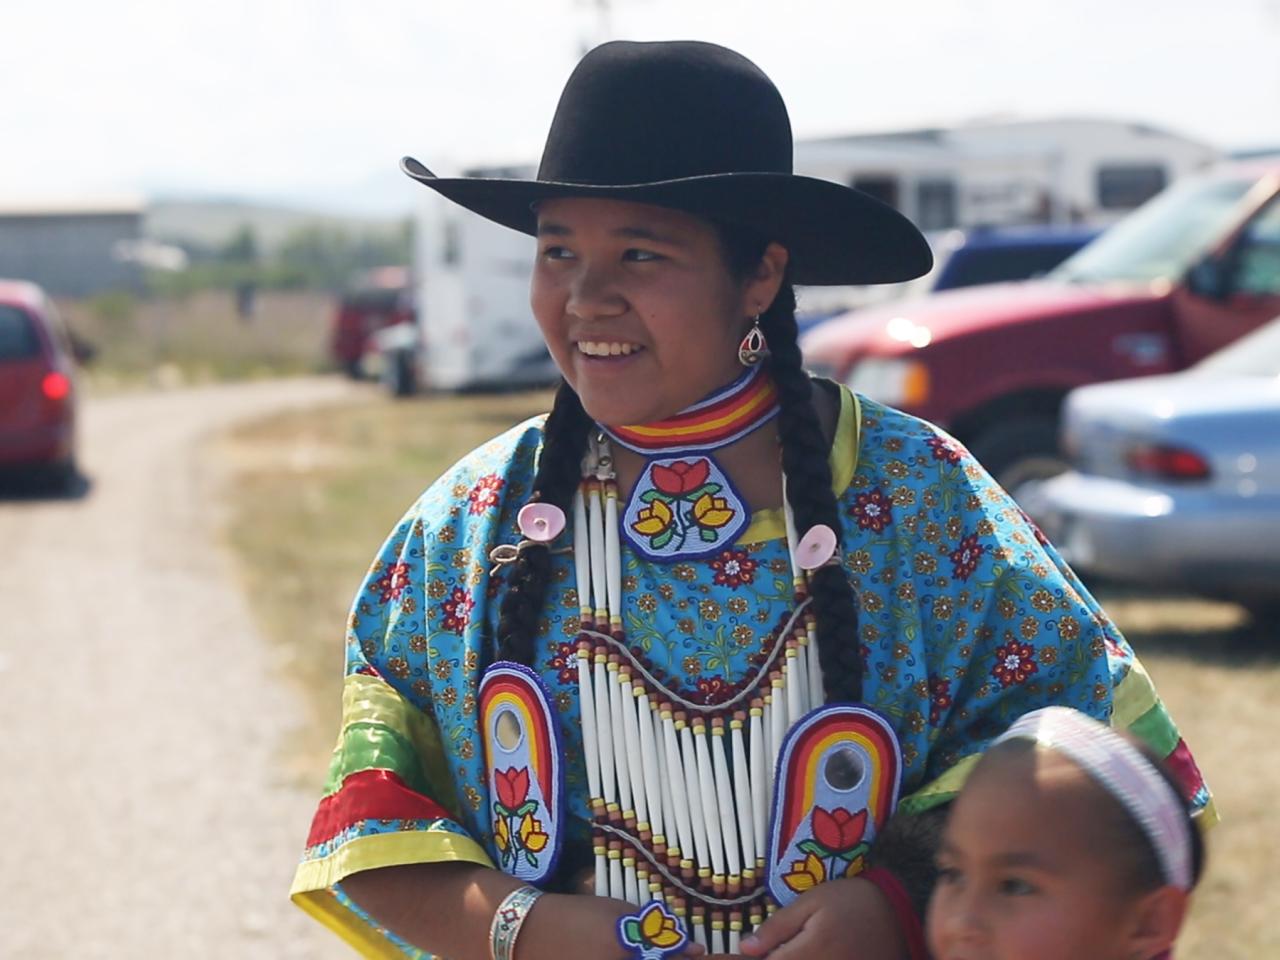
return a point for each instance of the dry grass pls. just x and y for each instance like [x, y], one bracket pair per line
[1220, 677]
[316, 492]
[200, 338]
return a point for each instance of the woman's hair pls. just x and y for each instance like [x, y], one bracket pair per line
[1127, 844]
[804, 461]
[564, 443]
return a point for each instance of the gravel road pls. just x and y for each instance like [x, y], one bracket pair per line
[143, 811]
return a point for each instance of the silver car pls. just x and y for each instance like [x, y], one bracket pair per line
[1176, 479]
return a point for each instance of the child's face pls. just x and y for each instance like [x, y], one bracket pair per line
[1023, 870]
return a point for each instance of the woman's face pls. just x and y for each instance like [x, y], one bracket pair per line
[1024, 871]
[638, 307]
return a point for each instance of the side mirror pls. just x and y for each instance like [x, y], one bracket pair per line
[1209, 279]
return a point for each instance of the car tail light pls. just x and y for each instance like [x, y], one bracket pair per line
[1167, 462]
[55, 386]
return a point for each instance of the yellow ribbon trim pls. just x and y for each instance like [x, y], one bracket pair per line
[1208, 815]
[386, 850]
[323, 906]
[770, 523]
[1134, 697]
[370, 699]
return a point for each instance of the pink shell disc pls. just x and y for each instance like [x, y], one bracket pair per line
[540, 522]
[816, 547]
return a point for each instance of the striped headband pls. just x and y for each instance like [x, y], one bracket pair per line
[1123, 772]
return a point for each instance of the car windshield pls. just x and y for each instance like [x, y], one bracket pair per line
[1163, 238]
[1000, 263]
[17, 335]
[1257, 355]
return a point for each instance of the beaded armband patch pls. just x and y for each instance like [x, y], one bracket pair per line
[526, 778]
[839, 774]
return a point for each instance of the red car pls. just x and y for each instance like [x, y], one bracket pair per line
[37, 386]
[1192, 270]
[383, 298]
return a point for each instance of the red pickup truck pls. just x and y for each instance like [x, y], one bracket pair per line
[1190, 271]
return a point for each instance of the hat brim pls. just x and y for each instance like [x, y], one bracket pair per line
[834, 234]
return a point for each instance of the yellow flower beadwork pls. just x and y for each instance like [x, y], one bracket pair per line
[658, 929]
[501, 835]
[531, 834]
[805, 874]
[653, 519]
[711, 511]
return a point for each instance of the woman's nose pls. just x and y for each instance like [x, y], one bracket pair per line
[594, 294]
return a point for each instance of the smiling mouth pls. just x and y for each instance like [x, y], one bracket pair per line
[606, 348]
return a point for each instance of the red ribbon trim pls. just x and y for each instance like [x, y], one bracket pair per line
[1183, 767]
[370, 795]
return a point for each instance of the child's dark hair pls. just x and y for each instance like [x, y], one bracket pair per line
[809, 492]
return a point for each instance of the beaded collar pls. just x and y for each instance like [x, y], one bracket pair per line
[726, 415]
[683, 506]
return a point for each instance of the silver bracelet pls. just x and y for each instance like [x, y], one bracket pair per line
[508, 919]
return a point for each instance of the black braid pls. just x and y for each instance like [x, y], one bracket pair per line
[564, 441]
[809, 493]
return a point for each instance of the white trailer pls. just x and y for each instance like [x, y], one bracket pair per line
[474, 328]
[1009, 172]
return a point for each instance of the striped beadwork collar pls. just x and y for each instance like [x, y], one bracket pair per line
[728, 414]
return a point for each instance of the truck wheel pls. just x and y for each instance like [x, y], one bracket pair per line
[1020, 453]
[399, 373]
[1264, 612]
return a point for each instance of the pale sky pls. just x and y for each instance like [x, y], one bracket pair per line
[289, 98]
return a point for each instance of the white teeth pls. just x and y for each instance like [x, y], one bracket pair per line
[601, 348]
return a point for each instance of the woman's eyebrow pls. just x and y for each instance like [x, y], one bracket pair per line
[645, 233]
[549, 228]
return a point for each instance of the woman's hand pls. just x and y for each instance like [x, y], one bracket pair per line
[579, 926]
[847, 919]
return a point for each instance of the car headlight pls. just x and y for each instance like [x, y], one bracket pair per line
[893, 381]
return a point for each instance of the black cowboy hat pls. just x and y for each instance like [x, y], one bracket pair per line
[698, 128]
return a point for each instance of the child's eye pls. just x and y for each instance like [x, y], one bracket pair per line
[948, 874]
[1016, 887]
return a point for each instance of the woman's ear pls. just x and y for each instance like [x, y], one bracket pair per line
[766, 280]
[1155, 921]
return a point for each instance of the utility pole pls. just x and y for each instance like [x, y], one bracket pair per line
[601, 28]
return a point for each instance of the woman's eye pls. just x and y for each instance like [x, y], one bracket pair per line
[556, 253]
[948, 874]
[1015, 887]
[641, 256]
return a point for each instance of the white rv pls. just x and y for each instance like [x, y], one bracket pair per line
[1009, 172]
[474, 328]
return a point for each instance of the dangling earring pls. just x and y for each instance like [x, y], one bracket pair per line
[753, 347]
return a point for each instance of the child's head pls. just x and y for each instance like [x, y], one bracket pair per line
[1067, 841]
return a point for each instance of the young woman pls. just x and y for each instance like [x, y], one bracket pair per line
[588, 669]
